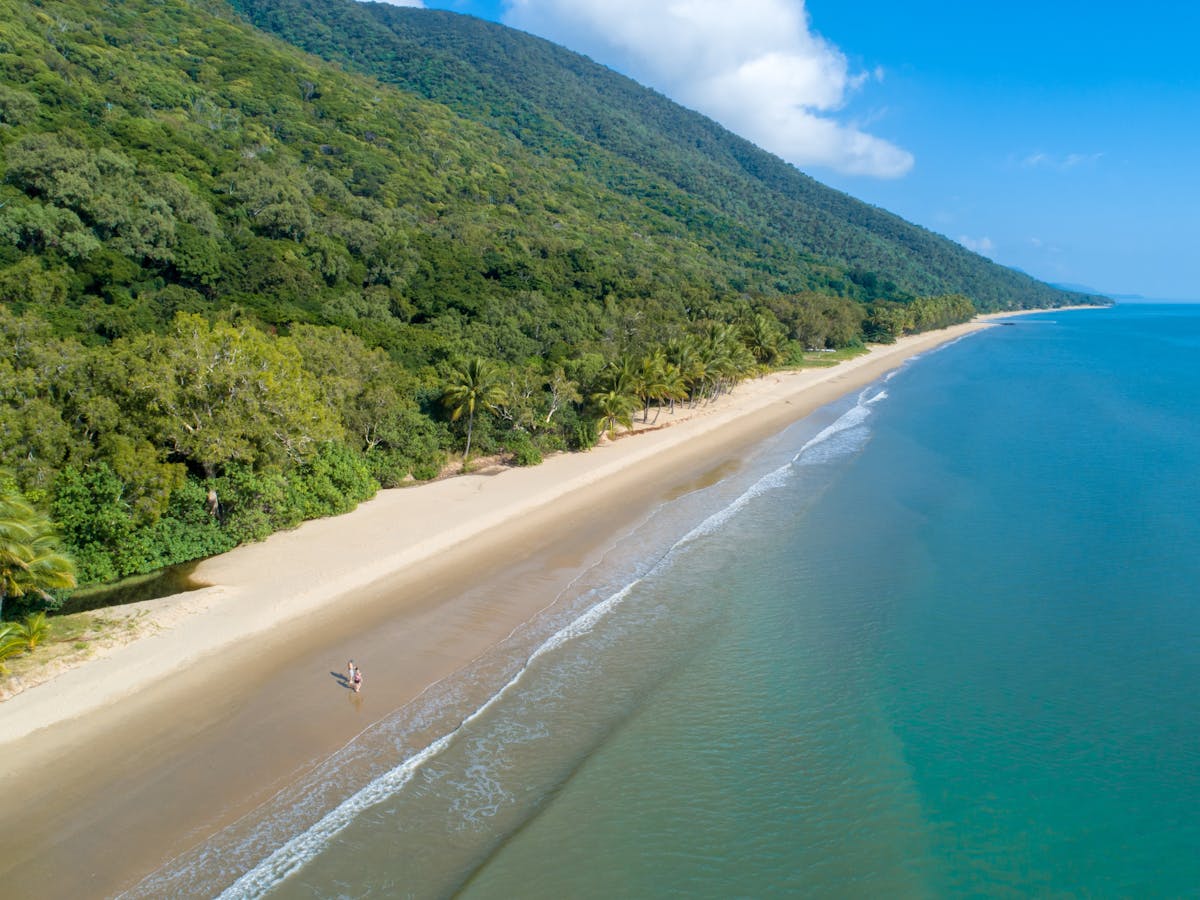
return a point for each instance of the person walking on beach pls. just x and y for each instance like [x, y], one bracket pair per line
[356, 679]
[350, 672]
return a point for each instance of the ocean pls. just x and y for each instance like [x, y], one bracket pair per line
[940, 639]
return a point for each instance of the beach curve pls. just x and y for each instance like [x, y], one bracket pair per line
[323, 565]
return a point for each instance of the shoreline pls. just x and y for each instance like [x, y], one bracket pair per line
[453, 511]
[405, 588]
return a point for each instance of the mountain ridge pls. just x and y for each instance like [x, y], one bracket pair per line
[457, 60]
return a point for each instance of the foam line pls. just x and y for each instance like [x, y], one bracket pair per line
[292, 856]
[296, 852]
[852, 418]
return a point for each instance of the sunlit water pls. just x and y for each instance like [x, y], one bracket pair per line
[942, 639]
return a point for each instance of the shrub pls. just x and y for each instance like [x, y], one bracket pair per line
[584, 436]
[95, 523]
[524, 451]
[427, 471]
[335, 481]
[32, 631]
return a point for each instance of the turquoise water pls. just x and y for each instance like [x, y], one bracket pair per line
[942, 639]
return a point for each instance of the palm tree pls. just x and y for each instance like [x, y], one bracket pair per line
[32, 631]
[658, 381]
[674, 386]
[474, 383]
[763, 338]
[614, 408]
[620, 375]
[10, 644]
[726, 358]
[684, 354]
[646, 381]
[30, 559]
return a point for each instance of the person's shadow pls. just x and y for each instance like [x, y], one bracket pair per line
[342, 679]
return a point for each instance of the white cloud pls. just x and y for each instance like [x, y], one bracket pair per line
[1041, 160]
[982, 245]
[753, 65]
[419, 4]
[1038, 244]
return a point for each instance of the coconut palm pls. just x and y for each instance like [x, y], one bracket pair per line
[30, 559]
[10, 644]
[763, 337]
[475, 383]
[614, 408]
[650, 385]
[674, 386]
[727, 360]
[621, 376]
[32, 631]
[684, 353]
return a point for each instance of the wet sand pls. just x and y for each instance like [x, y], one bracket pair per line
[117, 766]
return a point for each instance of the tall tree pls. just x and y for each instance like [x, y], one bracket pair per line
[614, 408]
[763, 337]
[217, 394]
[650, 382]
[473, 384]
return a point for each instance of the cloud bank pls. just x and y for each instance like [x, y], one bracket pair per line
[753, 65]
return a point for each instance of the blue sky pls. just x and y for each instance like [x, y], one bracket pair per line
[1059, 138]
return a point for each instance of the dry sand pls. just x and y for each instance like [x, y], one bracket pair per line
[117, 765]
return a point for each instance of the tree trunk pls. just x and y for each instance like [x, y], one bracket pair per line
[470, 429]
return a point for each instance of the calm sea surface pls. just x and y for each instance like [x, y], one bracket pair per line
[942, 639]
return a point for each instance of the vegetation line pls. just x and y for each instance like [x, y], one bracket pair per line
[242, 287]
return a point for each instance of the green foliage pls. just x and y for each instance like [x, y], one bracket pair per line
[97, 523]
[612, 408]
[10, 644]
[643, 147]
[31, 562]
[228, 266]
[524, 451]
[583, 435]
[186, 531]
[335, 481]
[409, 444]
[17, 107]
[221, 394]
[31, 631]
[473, 384]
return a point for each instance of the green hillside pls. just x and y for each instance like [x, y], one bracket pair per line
[560, 102]
[241, 286]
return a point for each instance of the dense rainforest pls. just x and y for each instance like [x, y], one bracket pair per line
[640, 144]
[242, 286]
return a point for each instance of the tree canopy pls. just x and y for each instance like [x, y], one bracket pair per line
[231, 269]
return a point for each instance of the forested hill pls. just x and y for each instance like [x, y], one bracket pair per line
[556, 101]
[242, 286]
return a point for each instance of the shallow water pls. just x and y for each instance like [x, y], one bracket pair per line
[162, 583]
[941, 639]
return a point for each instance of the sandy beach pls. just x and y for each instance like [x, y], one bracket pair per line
[118, 765]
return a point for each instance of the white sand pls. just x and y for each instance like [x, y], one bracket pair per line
[256, 588]
[120, 764]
